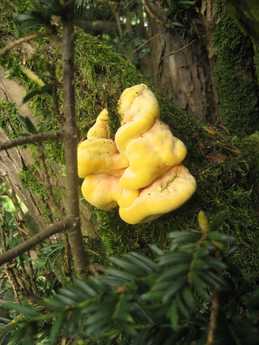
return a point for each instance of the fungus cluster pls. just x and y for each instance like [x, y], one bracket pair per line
[140, 171]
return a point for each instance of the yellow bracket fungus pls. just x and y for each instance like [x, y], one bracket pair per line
[140, 171]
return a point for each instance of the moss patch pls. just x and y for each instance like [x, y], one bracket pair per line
[235, 77]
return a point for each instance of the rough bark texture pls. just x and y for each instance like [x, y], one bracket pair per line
[181, 68]
[70, 147]
[208, 71]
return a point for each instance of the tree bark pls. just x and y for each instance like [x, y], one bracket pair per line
[181, 69]
[70, 147]
[207, 66]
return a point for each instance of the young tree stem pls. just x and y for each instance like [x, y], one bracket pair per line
[70, 148]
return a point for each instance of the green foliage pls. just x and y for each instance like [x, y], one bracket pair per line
[137, 300]
[11, 121]
[180, 14]
[247, 14]
[102, 74]
[32, 183]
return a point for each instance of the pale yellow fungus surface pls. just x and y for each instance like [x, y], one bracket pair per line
[138, 109]
[150, 155]
[97, 156]
[164, 195]
[104, 192]
[101, 127]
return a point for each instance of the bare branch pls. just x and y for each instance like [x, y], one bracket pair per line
[18, 42]
[146, 42]
[174, 52]
[30, 139]
[213, 318]
[38, 238]
[97, 26]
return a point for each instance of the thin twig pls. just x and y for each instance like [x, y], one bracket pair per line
[146, 42]
[174, 52]
[213, 318]
[18, 42]
[30, 139]
[38, 238]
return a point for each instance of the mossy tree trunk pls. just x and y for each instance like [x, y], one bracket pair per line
[207, 67]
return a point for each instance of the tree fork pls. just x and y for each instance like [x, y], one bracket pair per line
[30, 139]
[33, 241]
[70, 147]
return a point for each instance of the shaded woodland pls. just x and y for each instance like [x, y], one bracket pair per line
[72, 274]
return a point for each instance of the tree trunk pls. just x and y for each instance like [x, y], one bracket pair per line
[181, 69]
[208, 71]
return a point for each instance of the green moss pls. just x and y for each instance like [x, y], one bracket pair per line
[235, 78]
[101, 75]
[10, 120]
[30, 179]
[256, 61]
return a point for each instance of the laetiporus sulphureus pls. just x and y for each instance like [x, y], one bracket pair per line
[140, 171]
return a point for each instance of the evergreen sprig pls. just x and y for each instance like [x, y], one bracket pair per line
[137, 300]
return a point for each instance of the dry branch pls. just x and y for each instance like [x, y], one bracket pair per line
[33, 241]
[16, 43]
[30, 139]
